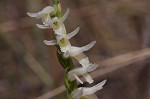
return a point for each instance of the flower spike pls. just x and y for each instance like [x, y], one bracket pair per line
[51, 18]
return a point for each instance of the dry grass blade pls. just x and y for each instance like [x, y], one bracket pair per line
[33, 64]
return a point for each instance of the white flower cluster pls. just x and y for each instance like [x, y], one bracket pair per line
[49, 20]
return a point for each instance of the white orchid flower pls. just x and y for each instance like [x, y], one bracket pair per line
[46, 17]
[87, 92]
[44, 14]
[59, 37]
[73, 74]
[73, 51]
[61, 33]
[54, 22]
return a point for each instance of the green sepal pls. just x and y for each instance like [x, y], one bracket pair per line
[65, 62]
[70, 86]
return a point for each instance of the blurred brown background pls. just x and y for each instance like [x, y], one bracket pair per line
[29, 68]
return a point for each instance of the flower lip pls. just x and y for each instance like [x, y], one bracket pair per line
[86, 91]
[82, 71]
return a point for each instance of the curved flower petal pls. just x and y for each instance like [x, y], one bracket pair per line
[89, 46]
[92, 67]
[81, 71]
[77, 93]
[44, 14]
[78, 79]
[42, 26]
[32, 14]
[64, 17]
[46, 19]
[85, 62]
[73, 33]
[47, 9]
[87, 92]
[77, 50]
[52, 42]
[92, 90]
[88, 78]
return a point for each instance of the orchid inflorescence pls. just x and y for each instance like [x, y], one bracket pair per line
[51, 20]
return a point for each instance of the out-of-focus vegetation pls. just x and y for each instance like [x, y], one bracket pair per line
[29, 68]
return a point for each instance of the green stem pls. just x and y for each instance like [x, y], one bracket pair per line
[66, 63]
[58, 8]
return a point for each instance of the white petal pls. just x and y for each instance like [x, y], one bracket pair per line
[92, 67]
[78, 79]
[81, 71]
[52, 42]
[55, 19]
[64, 17]
[77, 50]
[32, 14]
[78, 71]
[85, 62]
[92, 90]
[89, 46]
[100, 85]
[88, 78]
[42, 26]
[66, 48]
[70, 35]
[77, 93]
[47, 19]
[60, 31]
[47, 9]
